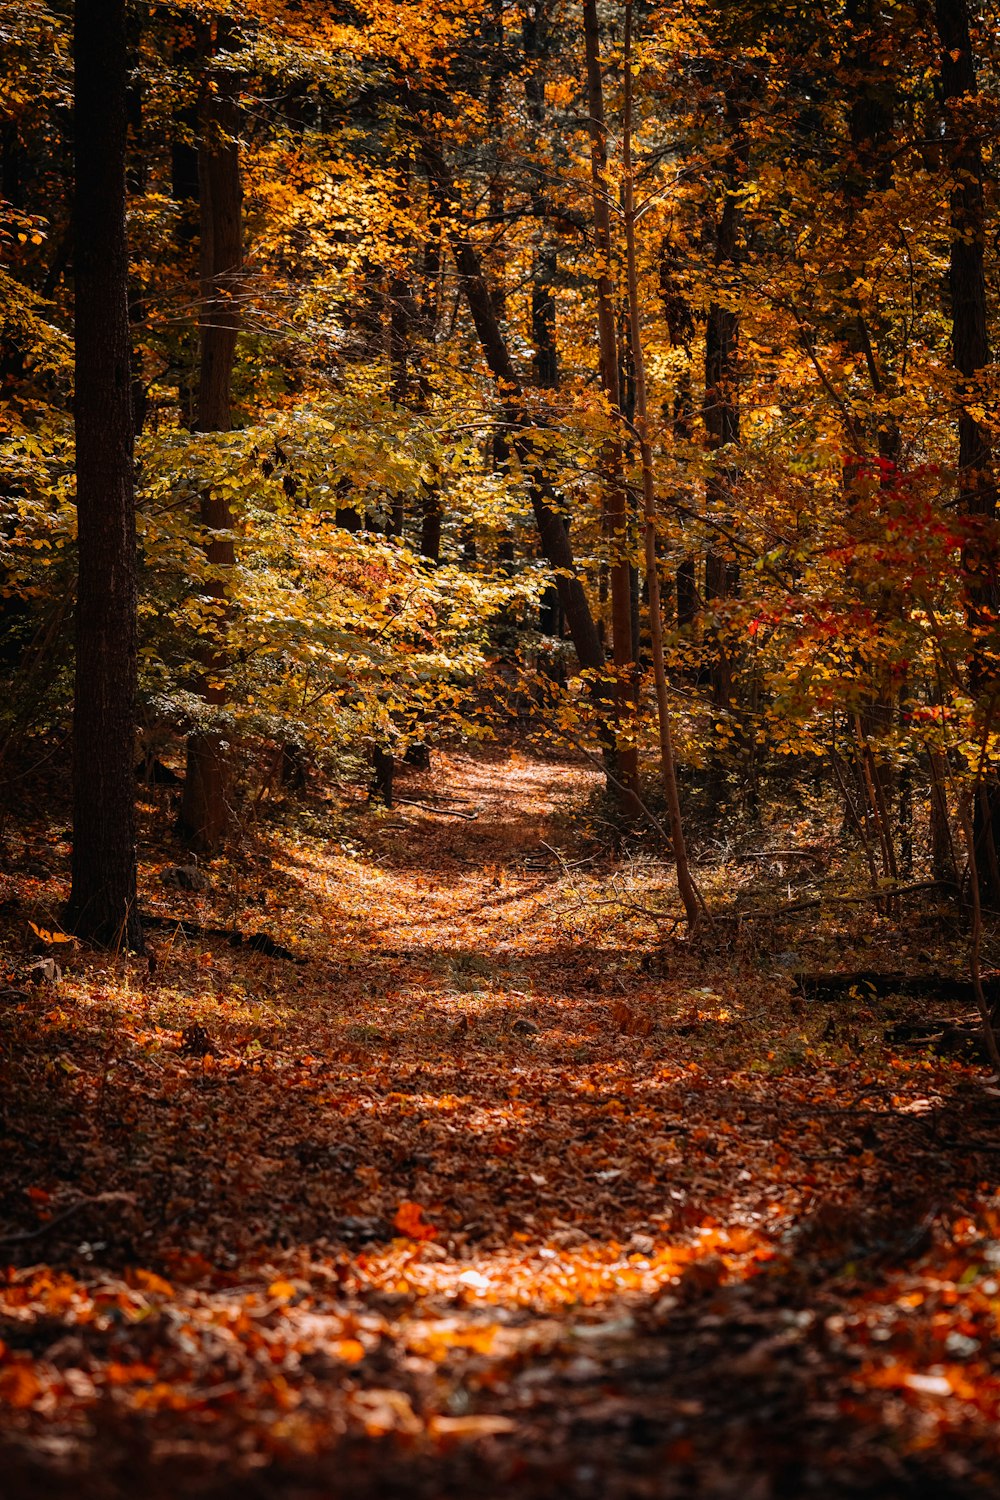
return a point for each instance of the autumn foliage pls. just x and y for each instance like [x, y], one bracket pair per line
[498, 531]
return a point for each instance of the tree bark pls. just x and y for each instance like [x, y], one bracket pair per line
[206, 814]
[103, 904]
[720, 411]
[690, 897]
[679, 414]
[966, 276]
[971, 353]
[616, 518]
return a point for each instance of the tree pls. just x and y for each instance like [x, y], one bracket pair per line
[616, 516]
[205, 815]
[971, 354]
[690, 896]
[102, 903]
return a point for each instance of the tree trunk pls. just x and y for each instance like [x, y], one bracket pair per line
[868, 170]
[403, 315]
[430, 523]
[102, 904]
[679, 414]
[721, 413]
[971, 353]
[693, 904]
[616, 517]
[966, 277]
[206, 815]
[221, 202]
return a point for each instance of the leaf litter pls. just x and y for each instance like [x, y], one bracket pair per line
[479, 1199]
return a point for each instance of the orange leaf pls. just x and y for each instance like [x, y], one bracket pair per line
[148, 1281]
[19, 1386]
[410, 1221]
[351, 1351]
[44, 935]
[119, 1374]
[283, 1290]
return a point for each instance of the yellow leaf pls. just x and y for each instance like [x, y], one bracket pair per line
[46, 936]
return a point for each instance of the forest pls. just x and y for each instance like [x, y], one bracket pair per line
[499, 749]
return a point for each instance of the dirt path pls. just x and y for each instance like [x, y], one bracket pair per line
[480, 1200]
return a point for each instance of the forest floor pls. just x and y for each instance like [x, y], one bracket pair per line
[499, 1190]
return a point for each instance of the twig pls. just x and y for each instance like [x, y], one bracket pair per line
[814, 901]
[557, 856]
[599, 765]
[445, 812]
[438, 799]
[777, 854]
[24, 1236]
[626, 903]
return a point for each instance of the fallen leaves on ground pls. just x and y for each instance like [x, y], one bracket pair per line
[479, 1200]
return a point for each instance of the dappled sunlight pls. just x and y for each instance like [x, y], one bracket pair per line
[449, 1180]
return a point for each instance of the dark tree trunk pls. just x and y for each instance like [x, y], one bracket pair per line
[543, 317]
[221, 201]
[184, 125]
[869, 171]
[721, 411]
[687, 593]
[206, 814]
[679, 413]
[971, 353]
[384, 764]
[616, 506]
[188, 50]
[102, 904]
[407, 389]
[966, 277]
[400, 301]
[545, 362]
[430, 524]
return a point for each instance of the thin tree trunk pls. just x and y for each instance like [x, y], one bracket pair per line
[616, 517]
[944, 864]
[206, 815]
[431, 522]
[102, 904]
[680, 417]
[868, 171]
[402, 317]
[720, 411]
[693, 905]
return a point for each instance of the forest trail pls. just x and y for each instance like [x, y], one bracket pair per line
[491, 1196]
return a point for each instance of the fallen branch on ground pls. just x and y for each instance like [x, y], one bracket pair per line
[257, 942]
[815, 901]
[25, 1236]
[445, 812]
